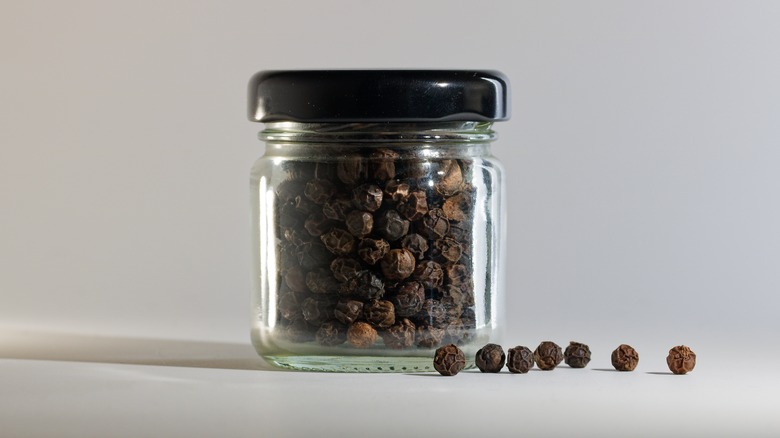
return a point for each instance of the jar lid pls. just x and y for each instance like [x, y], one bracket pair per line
[378, 96]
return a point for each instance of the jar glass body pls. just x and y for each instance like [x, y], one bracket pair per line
[375, 243]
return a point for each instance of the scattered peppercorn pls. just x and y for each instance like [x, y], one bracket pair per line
[520, 360]
[625, 358]
[548, 355]
[681, 359]
[577, 355]
[490, 358]
[449, 360]
[361, 335]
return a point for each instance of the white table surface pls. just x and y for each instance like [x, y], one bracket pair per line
[74, 385]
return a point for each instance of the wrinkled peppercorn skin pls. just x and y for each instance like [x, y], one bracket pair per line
[577, 355]
[449, 360]
[681, 360]
[548, 355]
[490, 358]
[625, 358]
[520, 360]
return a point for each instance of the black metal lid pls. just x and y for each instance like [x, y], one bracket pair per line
[378, 96]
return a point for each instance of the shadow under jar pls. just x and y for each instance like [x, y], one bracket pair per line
[376, 217]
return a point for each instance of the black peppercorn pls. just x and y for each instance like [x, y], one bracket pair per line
[415, 206]
[428, 336]
[490, 358]
[337, 207]
[457, 207]
[448, 250]
[408, 300]
[351, 170]
[396, 191]
[319, 190]
[415, 244]
[360, 223]
[434, 225]
[361, 335]
[380, 313]
[313, 255]
[331, 333]
[681, 360]
[348, 310]
[289, 307]
[345, 269]
[452, 178]
[392, 226]
[520, 359]
[625, 358]
[397, 264]
[372, 250]
[367, 197]
[432, 313]
[449, 360]
[400, 335]
[548, 355]
[429, 273]
[338, 241]
[298, 331]
[321, 281]
[383, 164]
[365, 285]
[317, 224]
[577, 355]
[295, 279]
[317, 310]
[287, 190]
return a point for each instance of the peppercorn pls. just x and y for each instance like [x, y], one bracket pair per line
[625, 358]
[372, 250]
[337, 207]
[577, 355]
[400, 335]
[520, 359]
[383, 163]
[548, 355]
[365, 285]
[287, 190]
[304, 206]
[317, 310]
[429, 273]
[317, 224]
[681, 359]
[351, 170]
[396, 191]
[408, 300]
[331, 333]
[380, 313]
[367, 197]
[361, 335]
[345, 268]
[432, 313]
[447, 249]
[457, 207]
[415, 244]
[321, 281]
[397, 264]
[359, 223]
[434, 225]
[339, 242]
[289, 307]
[452, 178]
[449, 360]
[295, 279]
[428, 336]
[313, 255]
[348, 310]
[392, 226]
[490, 358]
[415, 206]
[319, 190]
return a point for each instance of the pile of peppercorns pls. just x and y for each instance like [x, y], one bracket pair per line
[450, 360]
[375, 245]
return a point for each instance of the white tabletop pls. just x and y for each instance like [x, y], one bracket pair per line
[75, 385]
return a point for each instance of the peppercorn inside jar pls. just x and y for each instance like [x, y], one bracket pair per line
[376, 217]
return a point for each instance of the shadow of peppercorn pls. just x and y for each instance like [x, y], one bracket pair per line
[40, 345]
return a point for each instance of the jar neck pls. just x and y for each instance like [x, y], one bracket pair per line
[384, 132]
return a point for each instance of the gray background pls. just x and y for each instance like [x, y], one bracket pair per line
[642, 166]
[641, 156]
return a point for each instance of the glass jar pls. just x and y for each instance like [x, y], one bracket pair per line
[377, 217]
